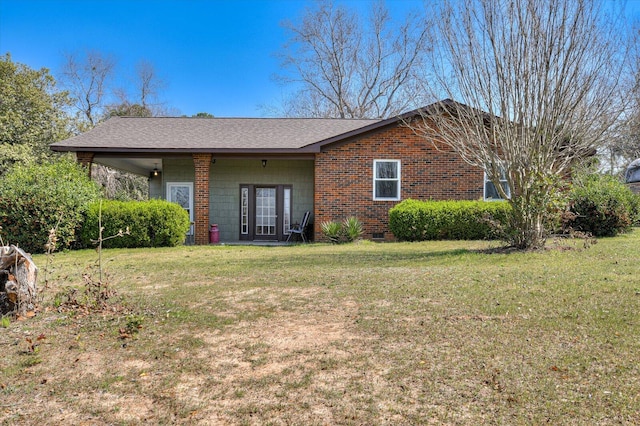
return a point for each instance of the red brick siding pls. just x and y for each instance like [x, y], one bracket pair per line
[201, 197]
[344, 177]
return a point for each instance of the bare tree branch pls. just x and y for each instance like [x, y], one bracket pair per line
[87, 79]
[348, 69]
[540, 85]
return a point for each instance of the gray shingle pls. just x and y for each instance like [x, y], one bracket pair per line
[165, 133]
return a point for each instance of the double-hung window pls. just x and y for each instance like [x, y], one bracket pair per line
[491, 192]
[386, 180]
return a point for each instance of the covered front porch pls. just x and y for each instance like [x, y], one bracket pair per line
[251, 199]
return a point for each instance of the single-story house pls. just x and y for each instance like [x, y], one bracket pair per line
[256, 177]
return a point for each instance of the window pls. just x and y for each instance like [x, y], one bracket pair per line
[286, 220]
[244, 211]
[490, 190]
[386, 179]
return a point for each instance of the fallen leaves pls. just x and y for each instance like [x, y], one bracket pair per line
[32, 346]
[124, 334]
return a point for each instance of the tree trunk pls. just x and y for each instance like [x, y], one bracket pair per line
[527, 222]
[18, 275]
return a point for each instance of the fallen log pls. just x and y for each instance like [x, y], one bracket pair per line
[18, 275]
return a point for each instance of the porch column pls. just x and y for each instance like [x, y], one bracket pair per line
[201, 198]
[86, 159]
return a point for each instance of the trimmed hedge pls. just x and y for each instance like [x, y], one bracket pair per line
[153, 223]
[603, 206]
[413, 220]
[36, 198]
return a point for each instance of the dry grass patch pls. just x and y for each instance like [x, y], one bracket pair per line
[429, 333]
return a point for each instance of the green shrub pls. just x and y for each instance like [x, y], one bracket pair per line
[153, 223]
[36, 198]
[332, 230]
[352, 229]
[413, 220]
[602, 205]
[346, 232]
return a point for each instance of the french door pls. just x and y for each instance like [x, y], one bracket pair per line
[265, 212]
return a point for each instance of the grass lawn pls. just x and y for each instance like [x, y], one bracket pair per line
[396, 334]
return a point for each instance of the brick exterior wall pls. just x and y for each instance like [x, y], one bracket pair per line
[201, 163]
[85, 158]
[344, 177]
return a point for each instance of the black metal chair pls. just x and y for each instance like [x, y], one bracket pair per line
[300, 229]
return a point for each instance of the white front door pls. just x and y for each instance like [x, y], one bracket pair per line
[182, 193]
[266, 212]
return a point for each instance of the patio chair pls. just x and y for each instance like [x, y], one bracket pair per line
[300, 229]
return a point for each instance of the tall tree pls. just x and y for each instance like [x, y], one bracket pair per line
[624, 145]
[127, 109]
[88, 78]
[142, 97]
[32, 113]
[146, 88]
[149, 84]
[348, 69]
[540, 85]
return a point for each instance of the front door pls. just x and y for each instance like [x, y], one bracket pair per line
[265, 212]
[182, 193]
[266, 217]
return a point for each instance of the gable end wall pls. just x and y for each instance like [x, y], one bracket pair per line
[344, 177]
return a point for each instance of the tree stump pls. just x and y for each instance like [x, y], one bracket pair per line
[18, 275]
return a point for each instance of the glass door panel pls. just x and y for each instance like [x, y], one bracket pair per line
[182, 193]
[266, 216]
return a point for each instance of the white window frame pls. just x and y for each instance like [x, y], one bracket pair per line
[286, 204]
[488, 181]
[244, 213]
[189, 185]
[398, 179]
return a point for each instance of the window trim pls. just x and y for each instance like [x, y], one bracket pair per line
[397, 179]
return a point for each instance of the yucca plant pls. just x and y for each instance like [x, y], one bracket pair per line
[332, 230]
[352, 228]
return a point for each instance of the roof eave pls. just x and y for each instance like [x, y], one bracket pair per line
[402, 118]
[122, 150]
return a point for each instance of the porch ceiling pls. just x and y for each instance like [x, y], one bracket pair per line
[138, 166]
[144, 165]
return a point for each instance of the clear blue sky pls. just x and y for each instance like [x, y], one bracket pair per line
[216, 56]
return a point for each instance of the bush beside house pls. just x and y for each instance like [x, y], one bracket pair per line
[37, 198]
[602, 206]
[153, 223]
[414, 220]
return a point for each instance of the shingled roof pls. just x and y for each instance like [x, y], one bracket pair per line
[167, 134]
